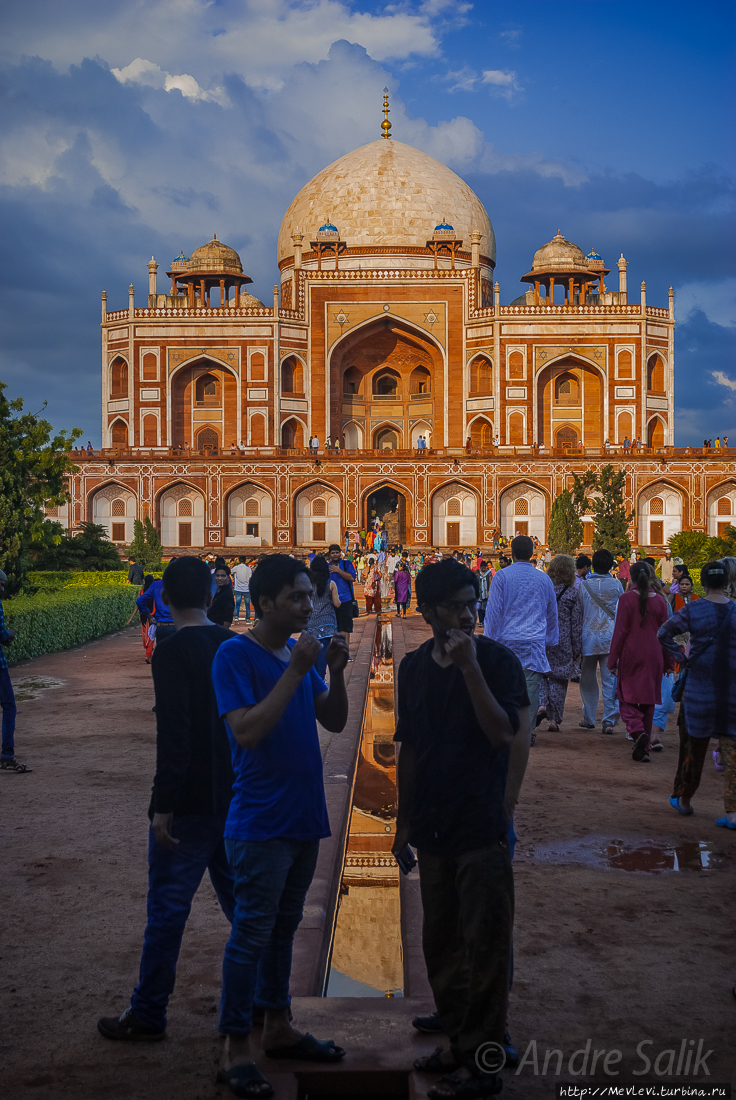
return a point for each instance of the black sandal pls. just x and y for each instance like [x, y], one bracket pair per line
[10, 764]
[246, 1080]
[433, 1063]
[308, 1049]
[453, 1087]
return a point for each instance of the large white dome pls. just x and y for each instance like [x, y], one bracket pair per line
[386, 193]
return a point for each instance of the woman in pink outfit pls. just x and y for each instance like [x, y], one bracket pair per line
[637, 658]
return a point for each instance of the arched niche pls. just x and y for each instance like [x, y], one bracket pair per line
[424, 429]
[292, 376]
[524, 511]
[481, 376]
[655, 374]
[722, 508]
[660, 513]
[293, 434]
[454, 516]
[481, 434]
[317, 510]
[249, 517]
[114, 508]
[387, 438]
[656, 433]
[383, 362]
[181, 508]
[119, 433]
[572, 390]
[203, 393]
[118, 377]
[352, 436]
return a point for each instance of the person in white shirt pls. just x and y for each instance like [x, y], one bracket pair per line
[600, 593]
[241, 575]
[241, 447]
[522, 614]
[666, 565]
[314, 443]
[391, 561]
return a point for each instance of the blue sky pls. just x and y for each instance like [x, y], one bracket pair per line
[141, 126]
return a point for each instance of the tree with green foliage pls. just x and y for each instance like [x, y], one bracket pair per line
[146, 546]
[565, 525]
[607, 505]
[89, 550]
[691, 546]
[34, 464]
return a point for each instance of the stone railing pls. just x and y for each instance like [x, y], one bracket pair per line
[430, 454]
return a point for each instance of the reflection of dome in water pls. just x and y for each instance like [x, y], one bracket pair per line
[387, 193]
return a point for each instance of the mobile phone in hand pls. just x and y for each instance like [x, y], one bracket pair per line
[406, 859]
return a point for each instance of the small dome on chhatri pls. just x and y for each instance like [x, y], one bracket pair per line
[216, 256]
[593, 255]
[180, 259]
[559, 254]
[444, 227]
[328, 227]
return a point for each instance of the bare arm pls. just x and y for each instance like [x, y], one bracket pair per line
[518, 760]
[335, 594]
[405, 782]
[492, 718]
[251, 724]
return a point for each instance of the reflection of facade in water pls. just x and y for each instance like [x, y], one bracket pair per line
[367, 944]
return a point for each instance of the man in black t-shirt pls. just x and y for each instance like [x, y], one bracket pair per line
[459, 698]
[191, 795]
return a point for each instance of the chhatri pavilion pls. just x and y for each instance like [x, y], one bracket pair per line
[455, 414]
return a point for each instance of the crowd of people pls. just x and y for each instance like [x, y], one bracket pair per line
[238, 790]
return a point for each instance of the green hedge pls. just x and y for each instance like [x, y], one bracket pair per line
[54, 581]
[52, 621]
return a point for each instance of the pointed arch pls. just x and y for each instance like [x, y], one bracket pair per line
[660, 509]
[480, 431]
[656, 433]
[119, 433]
[481, 376]
[534, 521]
[249, 508]
[180, 507]
[721, 507]
[119, 377]
[294, 433]
[318, 513]
[655, 373]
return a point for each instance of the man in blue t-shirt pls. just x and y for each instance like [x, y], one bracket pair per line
[343, 574]
[270, 697]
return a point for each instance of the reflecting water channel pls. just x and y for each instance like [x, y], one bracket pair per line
[366, 950]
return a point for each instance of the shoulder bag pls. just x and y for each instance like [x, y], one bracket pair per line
[595, 599]
[678, 689]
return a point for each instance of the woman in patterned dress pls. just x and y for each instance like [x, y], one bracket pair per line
[564, 658]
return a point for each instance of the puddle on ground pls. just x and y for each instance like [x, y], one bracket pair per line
[651, 857]
[32, 687]
[366, 949]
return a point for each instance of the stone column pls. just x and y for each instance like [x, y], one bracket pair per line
[623, 295]
[104, 306]
[296, 240]
[152, 269]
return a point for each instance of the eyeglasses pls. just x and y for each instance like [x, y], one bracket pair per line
[456, 607]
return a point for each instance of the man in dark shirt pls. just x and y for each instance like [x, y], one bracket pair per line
[459, 698]
[191, 796]
[135, 572]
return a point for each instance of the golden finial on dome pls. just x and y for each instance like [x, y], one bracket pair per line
[385, 125]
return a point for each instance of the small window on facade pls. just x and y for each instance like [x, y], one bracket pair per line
[319, 507]
[656, 506]
[521, 507]
[453, 507]
[725, 506]
[118, 508]
[251, 507]
[185, 507]
[118, 532]
[319, 532]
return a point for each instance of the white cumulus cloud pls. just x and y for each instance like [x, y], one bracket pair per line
[723, 379]
[149, 73]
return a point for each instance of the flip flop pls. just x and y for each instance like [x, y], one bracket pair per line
[308, 1049]
[675, 803]
[639, 752]
[244, 1080]
[725, 823]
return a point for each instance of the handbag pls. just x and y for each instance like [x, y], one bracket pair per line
[678, 689]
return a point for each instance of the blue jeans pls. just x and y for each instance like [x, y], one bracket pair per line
[7, 702]
[271, 882]
[663, 710]
[173, 878]
[245, 597]
[589, 689]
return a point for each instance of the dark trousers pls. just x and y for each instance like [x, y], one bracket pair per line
[693, 751]
[174, 876]
[7, 702]
[468, 902]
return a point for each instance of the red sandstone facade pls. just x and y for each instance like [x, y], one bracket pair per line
[378, 346]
